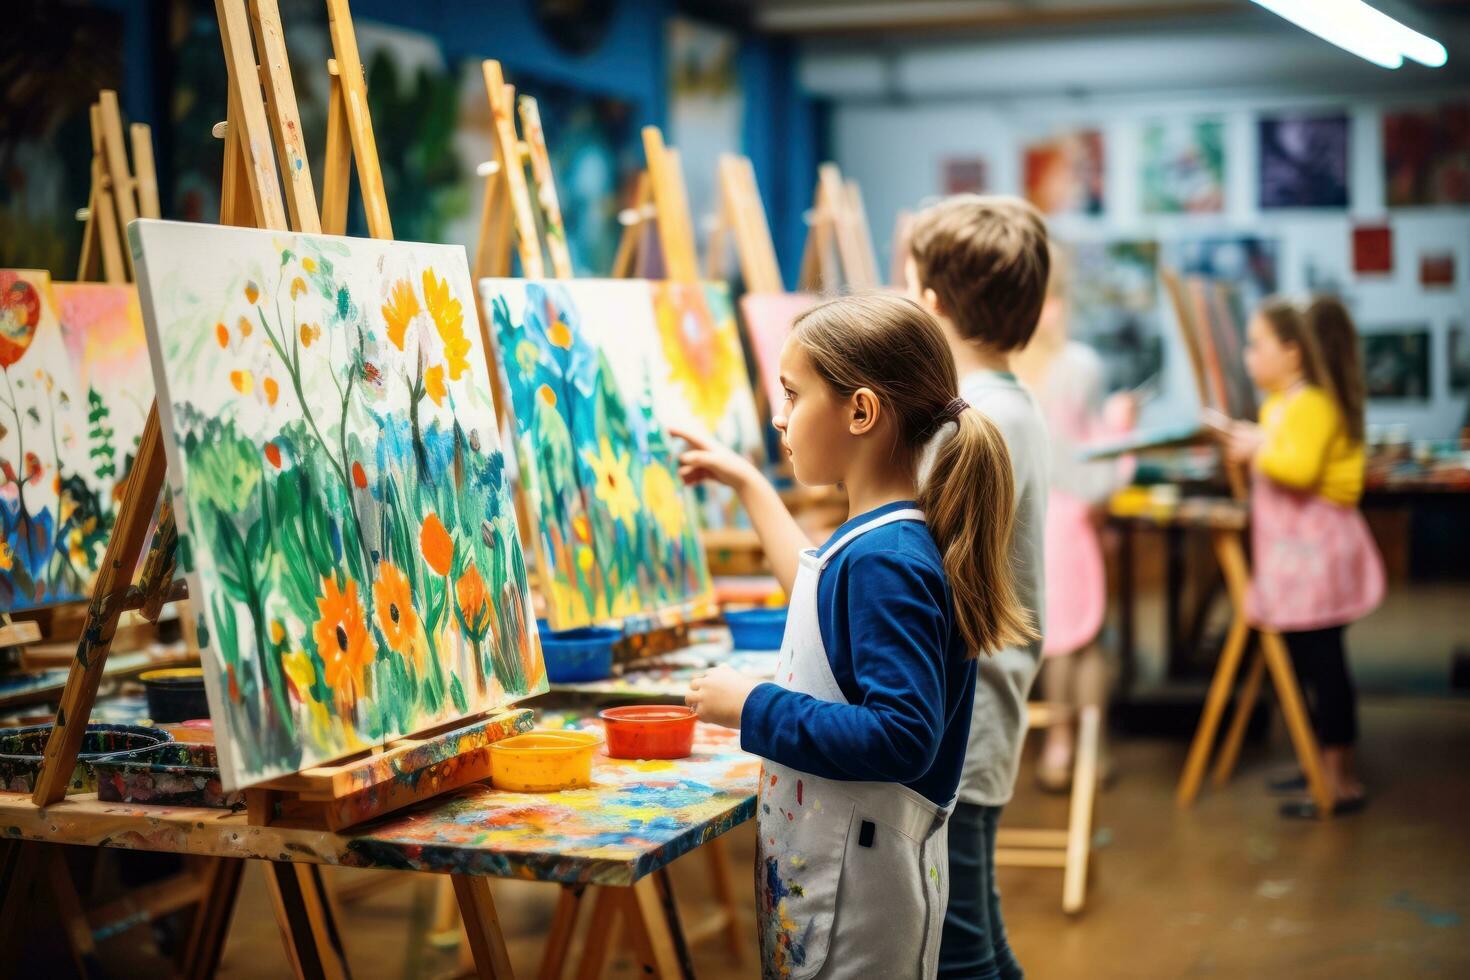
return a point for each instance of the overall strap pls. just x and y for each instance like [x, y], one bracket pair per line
[907, 514]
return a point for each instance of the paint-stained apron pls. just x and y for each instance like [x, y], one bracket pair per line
[851, 877]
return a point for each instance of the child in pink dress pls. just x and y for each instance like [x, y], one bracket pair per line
[1316, 568]
[1067, 379]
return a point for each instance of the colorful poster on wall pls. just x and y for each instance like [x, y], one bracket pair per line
[56, 60]
[1303, 160]
[76, 391]
[345, 521]
[1373, 250]
[1063, 174]
[706, 108]
[1459, 356]
[1426, 156]
[965, 175]
[1437, 269]
[617, 533]
[1115, 310]
[1396, 363]
[1183, 169]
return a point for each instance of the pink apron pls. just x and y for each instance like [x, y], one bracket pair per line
[1315, 561]
[1076, 582]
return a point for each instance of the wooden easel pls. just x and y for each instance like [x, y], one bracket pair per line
[839, 252]
[742, 221]
[509, 215]
[1230, 552]
[118, 195]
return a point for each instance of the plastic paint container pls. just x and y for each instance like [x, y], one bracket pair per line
[176, 694]
[543, 761]
[22, 749]
[648, 731]
[757, 629]
[172, 774]
[579, 655]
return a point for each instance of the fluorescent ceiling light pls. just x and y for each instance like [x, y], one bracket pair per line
[1362, 29]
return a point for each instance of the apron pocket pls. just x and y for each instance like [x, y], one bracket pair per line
[885, 903]
[799, 861]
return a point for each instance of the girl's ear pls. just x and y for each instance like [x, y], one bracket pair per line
[865, 409]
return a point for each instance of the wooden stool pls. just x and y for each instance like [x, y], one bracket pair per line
[1069, 849]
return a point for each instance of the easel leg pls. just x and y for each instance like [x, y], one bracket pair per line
[563, 926]
[19, 863]
[606, 903]
[68, 905]
[657, 939]
[1273, 650]
[1079, 819]
[1245, 704]
[1209, 722]
[477, 909]
[212, 919]
[719, 870]
[312, 943]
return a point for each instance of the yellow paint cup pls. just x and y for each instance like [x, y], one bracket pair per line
[543, 761]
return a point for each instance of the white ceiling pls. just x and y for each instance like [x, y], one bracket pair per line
[1242, 48]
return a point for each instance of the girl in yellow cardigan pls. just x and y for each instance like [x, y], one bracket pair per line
[1316, 568]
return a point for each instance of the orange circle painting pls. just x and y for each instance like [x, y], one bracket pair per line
[20, 312]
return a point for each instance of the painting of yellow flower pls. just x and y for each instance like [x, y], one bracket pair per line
[617, 533]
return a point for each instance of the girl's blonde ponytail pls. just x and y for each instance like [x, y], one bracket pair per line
[969, 502]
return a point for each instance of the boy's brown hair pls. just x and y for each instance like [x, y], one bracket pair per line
[987, 259]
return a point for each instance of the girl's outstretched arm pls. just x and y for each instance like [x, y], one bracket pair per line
[780, 536]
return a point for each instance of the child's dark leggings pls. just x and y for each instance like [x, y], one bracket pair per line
[1321, 667]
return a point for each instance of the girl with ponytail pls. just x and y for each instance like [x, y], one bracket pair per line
[1316, 568]
[865, 727]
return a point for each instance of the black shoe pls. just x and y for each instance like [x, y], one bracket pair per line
[1279, 785]
[1307, 809]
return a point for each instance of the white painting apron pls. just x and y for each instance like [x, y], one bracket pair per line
[851, 877]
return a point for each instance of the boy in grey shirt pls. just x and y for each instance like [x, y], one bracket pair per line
[980, 265]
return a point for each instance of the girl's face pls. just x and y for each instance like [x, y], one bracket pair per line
[815, 423]
[1272, 364]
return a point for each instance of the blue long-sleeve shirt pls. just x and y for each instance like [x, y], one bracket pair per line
[888, 625]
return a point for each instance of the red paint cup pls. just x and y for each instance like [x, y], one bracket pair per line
[648, 731]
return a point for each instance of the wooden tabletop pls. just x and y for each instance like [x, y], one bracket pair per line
[636, 818]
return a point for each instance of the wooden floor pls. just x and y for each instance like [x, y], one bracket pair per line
[1227, 889]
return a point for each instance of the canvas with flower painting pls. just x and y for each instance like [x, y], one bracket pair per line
[700, 381]
[345, 521]
[617, 536]
[73, 400]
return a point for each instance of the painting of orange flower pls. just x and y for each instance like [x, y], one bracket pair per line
[345, 519]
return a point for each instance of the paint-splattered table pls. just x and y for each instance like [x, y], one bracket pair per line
[622, 832]
[668, 676]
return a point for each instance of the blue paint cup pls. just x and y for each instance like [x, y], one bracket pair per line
[757, 629]
[573, 656]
